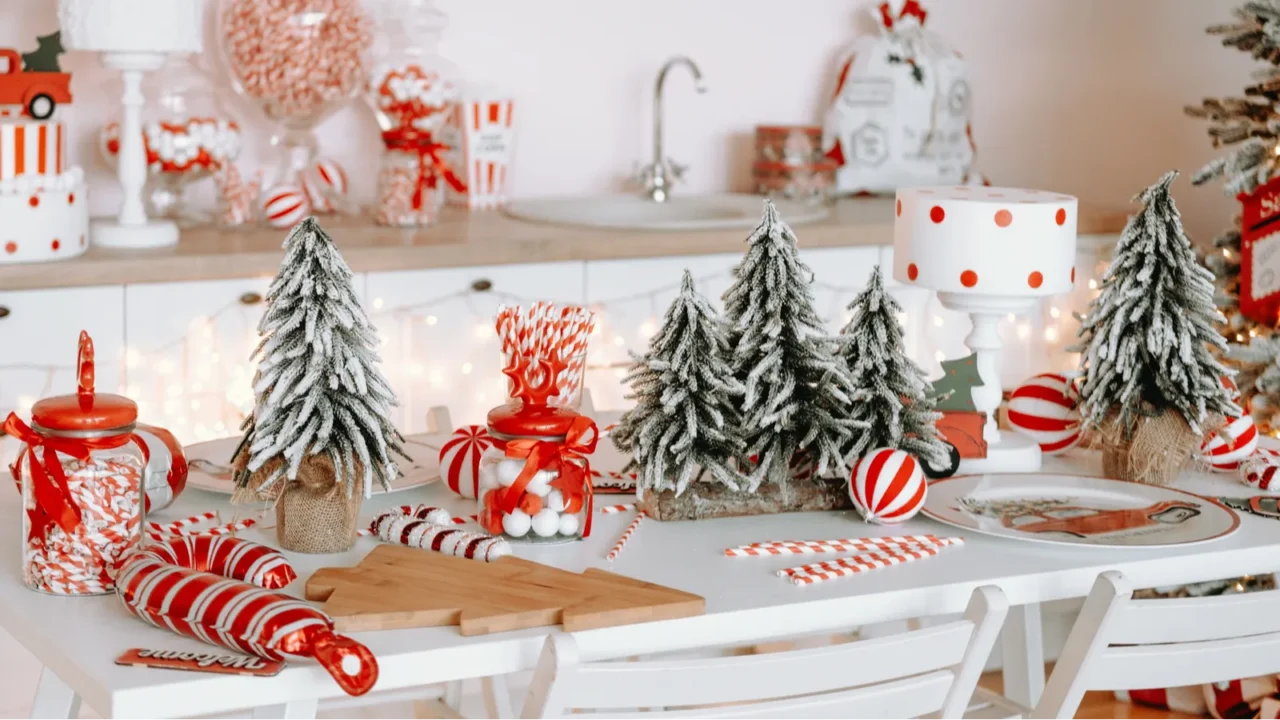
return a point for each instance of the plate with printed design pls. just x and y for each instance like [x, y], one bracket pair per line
[1078, 511]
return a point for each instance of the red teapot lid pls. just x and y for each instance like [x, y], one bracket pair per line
[86, 411]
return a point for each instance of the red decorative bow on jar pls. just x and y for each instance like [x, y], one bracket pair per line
[44, 471]
[568, 457]
[911, 8]
[431, 166]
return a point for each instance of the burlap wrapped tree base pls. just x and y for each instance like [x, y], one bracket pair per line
[1157, 449]
[317, 521]
[701, 501]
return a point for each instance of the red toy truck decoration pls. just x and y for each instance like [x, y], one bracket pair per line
[39, 93]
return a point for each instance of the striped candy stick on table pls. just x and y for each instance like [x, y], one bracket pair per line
[886, 540]
[836, 546]
[626, 535]
[864, 559]
[843, 567]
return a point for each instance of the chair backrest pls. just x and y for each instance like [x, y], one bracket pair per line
[906, 675]
[1119, 643]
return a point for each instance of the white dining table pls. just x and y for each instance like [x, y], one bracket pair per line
[78, 639]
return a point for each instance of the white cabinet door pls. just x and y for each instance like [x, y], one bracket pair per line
[629, 298]
[39, 331]
[439, 343]
[187, 357]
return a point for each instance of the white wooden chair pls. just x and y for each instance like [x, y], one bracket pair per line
[1119, 643]
[923, 671]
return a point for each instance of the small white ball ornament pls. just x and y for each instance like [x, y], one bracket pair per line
[516, 523]
[569, 524]
[508, 471]
[546, 523]
[554, 501]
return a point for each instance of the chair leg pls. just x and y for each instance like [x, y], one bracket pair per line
[54, 698]
[497, 699]
[293, 710]
[1022, 645]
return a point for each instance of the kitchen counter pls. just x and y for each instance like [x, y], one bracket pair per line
[460, 239]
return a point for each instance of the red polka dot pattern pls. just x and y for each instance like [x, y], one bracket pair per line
[913, 272]
[1004, 218]
[11, 247]
[937, 214]
[71, 198]
[1073, 274]
[1035, 279]
[968, 278]
[1061, 216]
[899, 208]
[56, 244]
[34, 201]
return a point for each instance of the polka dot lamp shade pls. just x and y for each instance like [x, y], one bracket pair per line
[985, 240]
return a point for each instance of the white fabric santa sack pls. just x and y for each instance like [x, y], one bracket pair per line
[900, 113]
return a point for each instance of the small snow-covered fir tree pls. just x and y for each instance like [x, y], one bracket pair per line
[1147, 337]
[318, 388]
[891, 390]
[797, 389]
[683, 424]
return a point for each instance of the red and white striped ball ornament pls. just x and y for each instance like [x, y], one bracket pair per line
[1227, 446]
[285, 206]
[1045, 408]
[1260, 470]
[325, 181]
[887, 486]
[460, 459]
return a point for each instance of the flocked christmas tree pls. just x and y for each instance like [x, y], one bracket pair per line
[797, 389]
[318, 388]
[892, 394]
[683, 426]
[1147, 337]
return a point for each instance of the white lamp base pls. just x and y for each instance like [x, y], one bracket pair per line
[1014, 453]
[151, 234]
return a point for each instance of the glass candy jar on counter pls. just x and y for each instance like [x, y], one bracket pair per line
[81, 474]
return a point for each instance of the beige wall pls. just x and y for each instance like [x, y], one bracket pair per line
[1081, 96]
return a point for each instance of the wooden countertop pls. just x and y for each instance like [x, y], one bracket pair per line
[460, 239]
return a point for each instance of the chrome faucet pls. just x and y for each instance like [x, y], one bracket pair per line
[658, 176]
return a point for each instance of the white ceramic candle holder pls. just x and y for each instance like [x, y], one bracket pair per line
[988, 252]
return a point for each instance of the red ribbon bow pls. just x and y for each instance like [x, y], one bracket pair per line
[911, 8]
[431, 166]
[54, 503]
[569, 457]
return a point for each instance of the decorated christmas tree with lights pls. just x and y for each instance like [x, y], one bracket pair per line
[892, 395]
[797, 389]
[683, 426]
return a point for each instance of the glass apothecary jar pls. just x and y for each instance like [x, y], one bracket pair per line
[80, 470]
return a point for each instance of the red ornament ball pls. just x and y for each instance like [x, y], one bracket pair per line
[1045, 409]
[460, 459]
[887, 486]
[1228, 445]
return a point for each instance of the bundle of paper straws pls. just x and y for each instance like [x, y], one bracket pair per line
[870, 554]
[557, 335]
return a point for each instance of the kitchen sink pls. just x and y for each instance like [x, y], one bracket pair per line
[632, 212]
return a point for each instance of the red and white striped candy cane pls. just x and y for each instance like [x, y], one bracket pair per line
[626, 535]
[395, 526]
[233, 614]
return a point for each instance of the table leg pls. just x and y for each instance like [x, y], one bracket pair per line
[299, 709]
[54, 698]
[1022, 645]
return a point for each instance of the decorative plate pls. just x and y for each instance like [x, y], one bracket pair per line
[210, 471]
[1080, 511]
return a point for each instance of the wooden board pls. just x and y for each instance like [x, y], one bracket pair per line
[403, 587]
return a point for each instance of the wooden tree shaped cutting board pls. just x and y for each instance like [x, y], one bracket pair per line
[403, 587]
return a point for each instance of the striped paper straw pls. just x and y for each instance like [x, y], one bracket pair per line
[897, 539]
[177, 526]
[859, 559]
[817, 548]
[845, 567]
[611, 509]
[626, 535]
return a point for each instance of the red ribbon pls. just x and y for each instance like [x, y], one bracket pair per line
[431, 167]
[569, 457]
[54, 503]
[911, 8]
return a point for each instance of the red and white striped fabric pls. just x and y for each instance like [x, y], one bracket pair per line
[325, 181]
[887, 486]
[1227, 446]
[285, 206]
[1044, 408]
[488, 136]
[460, 459]
[32, 148]
[223, 610]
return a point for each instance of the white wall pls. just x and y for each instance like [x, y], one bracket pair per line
[1080, 96]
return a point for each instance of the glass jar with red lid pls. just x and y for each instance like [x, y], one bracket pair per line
[80, 470]
[535, 484]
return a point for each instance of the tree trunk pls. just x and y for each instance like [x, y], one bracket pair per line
[714, 500]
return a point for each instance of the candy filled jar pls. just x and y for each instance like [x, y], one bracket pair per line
[81, 473]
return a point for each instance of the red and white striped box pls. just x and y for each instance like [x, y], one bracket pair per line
[32, 148]
[486, 136]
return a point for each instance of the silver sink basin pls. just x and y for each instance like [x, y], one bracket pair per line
[632, 212]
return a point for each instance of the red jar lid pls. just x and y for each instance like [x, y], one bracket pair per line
[517, 420]
[80, 413]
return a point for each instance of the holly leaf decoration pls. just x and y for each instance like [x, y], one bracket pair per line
[45, 57]
[952, 391]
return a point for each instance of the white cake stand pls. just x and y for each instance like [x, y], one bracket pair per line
[1006, 452]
